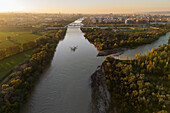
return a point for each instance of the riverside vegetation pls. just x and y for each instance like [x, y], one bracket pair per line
[18, 46]
[17, 88]
[140, 85]
[108, 39]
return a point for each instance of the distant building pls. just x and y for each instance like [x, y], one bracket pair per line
[136, 21]
[48, 19]
[128, 21]
[106, 19]
[168, 20]
[159, 22]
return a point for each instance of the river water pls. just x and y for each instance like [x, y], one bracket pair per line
[65, 85]
[145, 48]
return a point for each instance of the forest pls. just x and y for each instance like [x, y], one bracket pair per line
[19, 84]
[140, 85]
[105, 39]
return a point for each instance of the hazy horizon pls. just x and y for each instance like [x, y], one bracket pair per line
[88, 6]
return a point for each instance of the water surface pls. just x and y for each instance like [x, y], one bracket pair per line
[145, 48]
[64, 87]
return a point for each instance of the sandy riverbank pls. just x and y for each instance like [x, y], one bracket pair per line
[117, 51]
[100, 93]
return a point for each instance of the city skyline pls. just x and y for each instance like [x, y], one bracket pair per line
[76, 6]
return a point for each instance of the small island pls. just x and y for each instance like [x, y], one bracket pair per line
[109, 41]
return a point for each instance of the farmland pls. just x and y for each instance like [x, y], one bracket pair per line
[7, 64]
[15, 38]
[8, 39]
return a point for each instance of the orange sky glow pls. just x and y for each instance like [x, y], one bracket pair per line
[88, 6]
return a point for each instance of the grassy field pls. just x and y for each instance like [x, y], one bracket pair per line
[15, 28]
[17, 38]
[7, 64]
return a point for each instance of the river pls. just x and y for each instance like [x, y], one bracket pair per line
[65, 86]
[145, 48]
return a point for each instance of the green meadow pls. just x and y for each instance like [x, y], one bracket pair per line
[7, 64]
[16, 38]
[9, 38]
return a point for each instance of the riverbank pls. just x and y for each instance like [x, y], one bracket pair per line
[100, 94]
[19, 84]
[137, 85]
[117, 51]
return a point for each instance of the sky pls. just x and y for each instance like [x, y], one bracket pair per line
[84, 6]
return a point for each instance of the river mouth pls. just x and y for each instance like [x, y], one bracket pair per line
[65, 85]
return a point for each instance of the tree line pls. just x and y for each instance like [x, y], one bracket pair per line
[12, 50]
[15, 92]
[156, 62]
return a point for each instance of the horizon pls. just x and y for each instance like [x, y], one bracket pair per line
[149, 12]
[84, 7]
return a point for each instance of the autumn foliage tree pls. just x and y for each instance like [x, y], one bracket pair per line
[108, 39]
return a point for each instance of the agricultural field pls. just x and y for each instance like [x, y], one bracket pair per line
[15, 38]
[7, 64]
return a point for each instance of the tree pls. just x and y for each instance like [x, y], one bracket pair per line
[12, 50]
[28, 45]
[8, 38]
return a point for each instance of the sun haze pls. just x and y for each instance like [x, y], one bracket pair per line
[86, 6]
